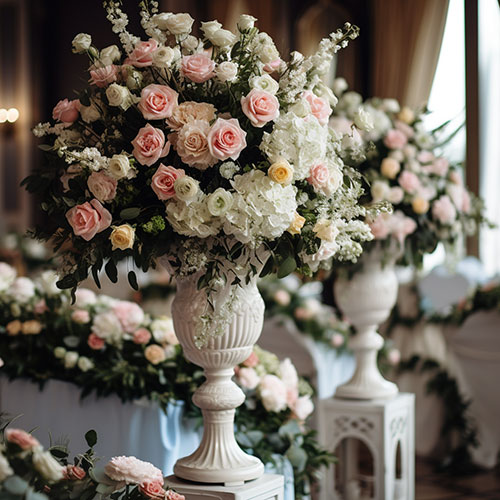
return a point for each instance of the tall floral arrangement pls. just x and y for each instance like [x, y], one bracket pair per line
[403, 165]
[212, 152]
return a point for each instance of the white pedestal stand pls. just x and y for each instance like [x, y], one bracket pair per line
[380, 425]
[267, 487]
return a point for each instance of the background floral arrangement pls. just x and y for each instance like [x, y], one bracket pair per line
[402, 165]
[111, 346]
[188, 148]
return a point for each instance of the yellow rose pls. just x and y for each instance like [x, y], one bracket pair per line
[281, 172]
[14, 327]
[154, 354]
[122, 237]
[420, 205]
[406, 115]
[390, 168]
[325, 230]
[32, 327]
[297, 224]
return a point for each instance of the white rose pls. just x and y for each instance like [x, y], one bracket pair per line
[336, 177]
[118, 95]
[288, 374]
[85, 364]
[161, 19]
[322, 90]
[186, 188]
[339, 86]
[210, 27]
[70, 359]
[248, 378]
[47, 282]
[47, 465]
[133, 82]
[170, 351]
[84, 297]
[5, 468]
[325, 230]
[190, 43]
[246, 22]
[268, 53]
[90, 113]
[163, 331]
[81, 43]
[303, 407]
[22, 290]
[163, 57]
[223, 38]
[380, 191]
[59, 352]
[7, 276]
[226, 71]
[273, 393]
[119, 167]
[396, 195]
[391, 105]
[109, 55]
[265, 82]
[219, 202]
[107, 326]
[397, 154]
[363, 120]
[301, 108]
[178, 24]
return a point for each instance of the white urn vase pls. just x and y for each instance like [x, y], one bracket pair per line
[367, 299]
[218, 458]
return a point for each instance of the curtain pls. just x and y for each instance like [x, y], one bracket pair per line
[406, 39]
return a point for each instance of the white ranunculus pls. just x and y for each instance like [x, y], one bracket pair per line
[163, 331]
[7, 276]
[265, 82]
[107, 326]
[380, 191]
[109, 55]
[59, 352]
[22, 289]
[163, 57]
[186, 188]
[5, 468]
[219, 202]
[47, 465]
[90, 113]
[118, 95]
[303, 407]
[226, 71]
[119, 167]
[246, 22]
[81, 43]
[47, 282]
[70, 359]
[339, 86]
[85, 364]
[190, 43]
[179, 24]
[210, 27]
[363, 119]
[223, 38]
[248, 378]
[160, 20]
[273, 393]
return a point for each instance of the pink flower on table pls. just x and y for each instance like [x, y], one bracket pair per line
[380, 226]
[303, 407]
[129, 314]
[131, 470]
[102, 186]
[401, 226]
[395, 139]
[88, 219]
[272, 66]
[153, 490]
[252, 361]
[198, 68]
[319, 177]
[248, 378]
[164, 179]
[24, 440]
[439, 167]
[103, 76]
[172, 495]
[443, 210]
[319, 107]
[149, 145]
[142, 336]
[425, 156]
[226, 139]
[409, 181]
[157, 102]
[142, 55]
[273, 393]
[95, 342]
[40, 307]
[66, 111]
[74, 473]
[80, 316]
[405, 128]
[260, 107]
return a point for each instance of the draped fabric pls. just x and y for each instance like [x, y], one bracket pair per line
[406, 40]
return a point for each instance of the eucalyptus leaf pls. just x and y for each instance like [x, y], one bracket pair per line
[71, 341]
[91, 437]
[130, 213]
[15, 485]
[286, 267]
[297, 457]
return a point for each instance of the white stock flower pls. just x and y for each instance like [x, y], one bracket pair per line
[70, 359]
[47, 282]
[226, 71]
[7, 276]
[85, 364]
[363, 119]
[119, 167]
[265, 82]
[5, 468]
[178, 24]
[90, 113]
[163, 331]
[109, 55]
[246, 22]
[219, 202]
[81, 43]
[118, 95]
[22, 289]
[47, 465]
[107, 326]
[210, 27]
[186, 188]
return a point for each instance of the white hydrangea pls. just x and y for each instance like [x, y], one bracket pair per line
[193, 219]
[261, 208]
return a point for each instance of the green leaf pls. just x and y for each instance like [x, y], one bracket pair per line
[67, 282]
[105, 489]
[268, 267]
[91, 438]
[130, 213]
[34, 495]
[95, 275]
[297, 457]
[132, 279]
[286, 267]
[15, 485]
[111, 271]
[45, 147]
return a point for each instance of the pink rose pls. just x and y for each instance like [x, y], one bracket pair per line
[88, 219]
[157, 102]
[260, 107]
[226, 139]
[443, 210]
[80, 316]
[456, 178]
[95, 342]
[337, 340]
[395, 139]
[405, 128]
[103, 76]
[142, 55]
[380, 227]
[74, 473]
[425, 157]
[142, 336]
[163, 181]
[439, 167]
[409, 182]
[319, 176]
[319, 107]
[401, 226]
[172, 495]
[153, 490]
[40, 307]
[24, 440]
[102, 186]
[129, 314]
[149, 145]
[252, 361]
[272, 66]
[66, 111]
[191, 144]
[198, 67]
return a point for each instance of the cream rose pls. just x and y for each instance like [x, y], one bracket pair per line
[110, 54]
[297, 224]
[281, 172]
[273, 393]
[119, 167]
[264, 82]
[223, 38]
[70, 359]
[178, 24]
[210, 27]
[390, 168]
[47, 465]
[186, 188]
[81, 43]
[219, 202]
[90, 113]
[226, 71]
[420, 205]
[119, 96]
[155, 354]
[122, 237]
[325, 230]
[102, 186]
[190, 111]
[192, 145]
[163, 57]
[246, 22]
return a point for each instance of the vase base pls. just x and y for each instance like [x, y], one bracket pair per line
[381, 390]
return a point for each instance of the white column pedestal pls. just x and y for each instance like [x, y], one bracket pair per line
[267, 487]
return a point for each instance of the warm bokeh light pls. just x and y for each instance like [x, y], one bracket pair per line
[12, 115]
[3, 115]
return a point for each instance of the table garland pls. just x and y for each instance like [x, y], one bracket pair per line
[108, 346]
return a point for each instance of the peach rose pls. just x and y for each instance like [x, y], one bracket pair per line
[149, 145]
[66, 111]
[142, 336]
[319, 176]
[142, 55]
[24, 440]
[103, 76]
[252, 361]
[319, 107]
[192, 145]
[102, 186]
[260, 107]
[152, 490]
[74, 473]
[163, 181]
[157, 102]
[155, 354]
[198, 68]
[409, 182]
[226, 139]
[88, 219]
[443, 210]
[395, 139]
[95, 342]
[390, 168]
[190, 111]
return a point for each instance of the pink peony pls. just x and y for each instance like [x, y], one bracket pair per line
[272, 66]
[129, 314]
[380, 226]
[303, 407]
[443, 210]
[405, 128]
[163, 181]
[102, 186]
[95, 342]
[198, 68]
[248, 378]
[74, 473]
[319, 107]
[226, 139]
[24, 440]
[260, 107]
[157, 102]
[439, 167]
[319, 176]
[153, 490]
[103, 76]
[142, 336]
[409, 181]
[401, 226]
[40, 307]
[142, 55]
[425, 156]
[132, 471]
[273, 393]
[66, 111]
[149, 145]
[80, 316]
[395, 139]
[88, 219]
[252, 361]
